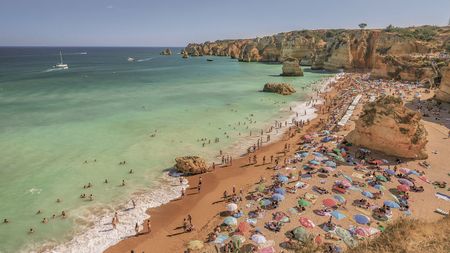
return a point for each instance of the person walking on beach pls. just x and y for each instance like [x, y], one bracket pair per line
[113, 222]
[189, 218]
[136, 228]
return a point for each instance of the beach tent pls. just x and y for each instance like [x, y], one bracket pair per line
[329, 202]
[307, 223]
[337, 215]
[230, 221]
[195, 245]
[232, 207]
[330, 164]
[391, 204]
[300, 184]
[258, 238]
[361, 219]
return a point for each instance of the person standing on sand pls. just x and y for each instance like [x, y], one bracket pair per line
[113, 222]
[136, 228]
[189, 218]
[149, 227]
[182, 192]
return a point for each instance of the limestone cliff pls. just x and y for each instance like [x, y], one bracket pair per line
[401, 53]
[386, 125]
[291, 67]
[443, 94]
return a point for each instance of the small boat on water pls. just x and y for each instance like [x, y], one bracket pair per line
[131, 59]
[61, 64]
[209, 60]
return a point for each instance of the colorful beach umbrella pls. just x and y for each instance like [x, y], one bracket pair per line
[230, 221]
[307, 223]
[304, 203]
[337, 215]
[379, 187]
[391, 204]
[221, 238]
[259, 239]
[381, 178]
[390, 172]
[339, 198]
[348, 178]
[283, 179]
[405, 182]
[404, 170]
[244, 227]
[280, 190]
[300, 233]
[330, 164]
[403, 188]
[232, 207]
[314, 162]
[277, 197]
[367, 194]
[238, 239]
[329, 202]
[265, 202]
[361, 219]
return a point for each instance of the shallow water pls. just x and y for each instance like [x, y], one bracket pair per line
[103, 110]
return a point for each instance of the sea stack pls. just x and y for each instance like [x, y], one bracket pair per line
[280, 88]
[190, 165]
[291, 67]
[386, 125]
[443, 94]
[184, 54]
[166, 51]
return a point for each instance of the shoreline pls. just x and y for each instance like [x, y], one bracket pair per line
[165, 216]
[166, 189]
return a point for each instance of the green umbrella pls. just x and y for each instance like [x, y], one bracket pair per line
[260, 187]
[300, 233]
[382, 178]
[304, 203]
[340, 159]
[337, 151]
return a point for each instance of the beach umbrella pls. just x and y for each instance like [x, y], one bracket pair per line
[379, 187]
[304, 202]
[344, 183]
[330, 164]
[277, 197]
[403, 188]
[338, 215]
[339, 198]
[367, 194]
[361, 219]
[314, 162]
[238, 239]
[342, 233]
[340, 159]
[317, 154]
[265, 202]
[348, 178]
[260, 187]
[391, 204]
[381, 178]
[377, 162]
[336, 150]
[195, 245]
[328, 168]
[390, 172]
[405, 182]
[221, 238]
[283, 179]
[307, 223]
[413, 172]
[232, 207]
[404, 170]
[259, 239]
[361, 231]
[230, 221]
[243, 227]
[269, 249]
[292, 210]
[332, 154]
[300, 184]
[280, 190]
[300, 233]
[425, 179]
[329, 202]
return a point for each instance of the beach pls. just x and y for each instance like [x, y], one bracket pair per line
[207, 206]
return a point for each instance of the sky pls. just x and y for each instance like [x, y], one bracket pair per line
[178, 22]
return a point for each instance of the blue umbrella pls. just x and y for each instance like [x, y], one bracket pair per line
[414, 173]
[283, 179]
[391, 204]
[338, 215]
[367, 194]
[330, 164]
[339, 198]
[277, 197]
[379, 187]
[280, 190]
[361, 219]
[317, 154]
[221, 238]
[314, 162]
[230, 221]
[390, 172]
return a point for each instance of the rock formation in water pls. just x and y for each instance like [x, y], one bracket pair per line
[400, 53]
[166, 51]
[386, 125]
[184, 54]
[291, 67]
[280, 88]
[190, 165]
[443, 94]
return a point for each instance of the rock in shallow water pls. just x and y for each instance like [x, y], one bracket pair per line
[280, 88]
[191, 165]
[291, 67]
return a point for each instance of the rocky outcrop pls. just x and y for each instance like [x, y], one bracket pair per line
[280, 88]
[166, 51]
[190, 165]
[400, 53]
[443, 94]
[386, 125]
[184, 54]
[291, 67]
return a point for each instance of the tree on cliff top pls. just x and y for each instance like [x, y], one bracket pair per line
[362, 25]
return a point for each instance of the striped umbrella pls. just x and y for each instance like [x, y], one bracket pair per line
[307, 223]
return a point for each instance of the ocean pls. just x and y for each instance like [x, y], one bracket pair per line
[63, 129]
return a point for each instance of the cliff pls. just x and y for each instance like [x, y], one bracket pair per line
[401, 53]
[388, 126]
[443, 94]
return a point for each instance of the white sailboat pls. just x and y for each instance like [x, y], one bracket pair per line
[61, 65]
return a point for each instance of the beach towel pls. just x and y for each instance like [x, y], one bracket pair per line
[442, 196]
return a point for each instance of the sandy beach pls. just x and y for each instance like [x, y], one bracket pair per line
[207, 206]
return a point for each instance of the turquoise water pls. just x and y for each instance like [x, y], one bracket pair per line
[105, 108]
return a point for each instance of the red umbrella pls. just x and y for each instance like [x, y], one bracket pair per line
[403, 188]
[329, 202]
[307, 223]
[244, 227]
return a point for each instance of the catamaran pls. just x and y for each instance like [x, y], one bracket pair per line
[61, 65]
